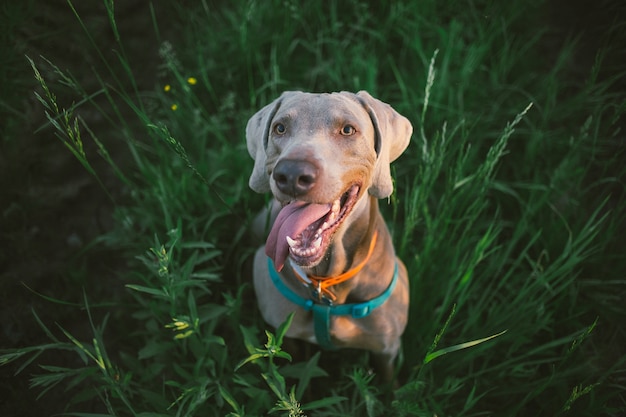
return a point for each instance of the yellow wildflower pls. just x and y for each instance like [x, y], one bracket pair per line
[192, 81]
[182, 326]
[178, 324]
[183, 335]
[174, 107]
[167, 88]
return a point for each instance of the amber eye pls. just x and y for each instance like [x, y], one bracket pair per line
[280, 129]
[348, 130]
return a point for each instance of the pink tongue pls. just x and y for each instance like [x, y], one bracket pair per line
[291, 221]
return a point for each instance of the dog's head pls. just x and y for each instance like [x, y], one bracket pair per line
[318, 154]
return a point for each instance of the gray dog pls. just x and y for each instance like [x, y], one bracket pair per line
[329, 256]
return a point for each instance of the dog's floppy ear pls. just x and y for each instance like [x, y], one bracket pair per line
[393, 133]
[257, 133]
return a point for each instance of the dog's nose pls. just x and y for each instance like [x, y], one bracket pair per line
[295, 178]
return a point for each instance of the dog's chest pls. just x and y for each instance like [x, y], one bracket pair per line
[342, 331]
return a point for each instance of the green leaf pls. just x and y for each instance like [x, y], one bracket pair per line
[249, 339]
[304, 372]
[231, 401]
[147, 290]
[276, 382]
[325, 402]
[282, 329]
[283, 354]
[251, 358]
[441, 352]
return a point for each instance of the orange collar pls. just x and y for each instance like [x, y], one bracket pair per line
[320, 285]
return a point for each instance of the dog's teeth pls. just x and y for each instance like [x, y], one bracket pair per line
[317, 243]
[324, 226]
[292, 243]
[336, 206]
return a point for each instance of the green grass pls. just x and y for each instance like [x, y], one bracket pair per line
[508, 212]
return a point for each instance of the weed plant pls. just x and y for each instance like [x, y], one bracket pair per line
[508, 212]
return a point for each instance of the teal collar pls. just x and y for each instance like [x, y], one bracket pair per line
[322, 312]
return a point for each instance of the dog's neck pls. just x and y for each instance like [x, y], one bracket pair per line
[351, 247]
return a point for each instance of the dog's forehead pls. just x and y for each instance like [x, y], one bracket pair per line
[323, 108]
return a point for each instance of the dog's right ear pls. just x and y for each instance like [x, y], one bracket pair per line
[257, 134]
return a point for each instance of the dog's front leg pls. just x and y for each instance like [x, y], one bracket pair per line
[383, 365]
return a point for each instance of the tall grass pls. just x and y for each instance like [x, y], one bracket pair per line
[507, 211]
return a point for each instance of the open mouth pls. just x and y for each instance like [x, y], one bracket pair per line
[305, 230]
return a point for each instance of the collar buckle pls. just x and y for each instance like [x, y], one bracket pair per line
[317, 293]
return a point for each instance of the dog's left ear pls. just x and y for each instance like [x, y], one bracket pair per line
[393, 133]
